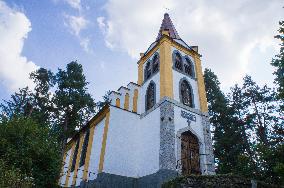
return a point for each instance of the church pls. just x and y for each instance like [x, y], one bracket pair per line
[153, 129]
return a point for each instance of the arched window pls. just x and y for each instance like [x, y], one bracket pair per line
[147, 70]
[178, 61]
[150, 96]
[156, 63]
[186, 93]
[188, 67]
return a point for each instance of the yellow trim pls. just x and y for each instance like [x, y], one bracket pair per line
[140, 74]
[153, 50]
[166, 73]
[126, 101]
[78, 159]
[88, 154]
[135, 99]
[70, 164]
[95, 122]
[103, 149]
[184, 50]
[141, 63]
[201, 85]
[117, 102]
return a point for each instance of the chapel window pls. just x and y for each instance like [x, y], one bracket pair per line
[186, 93]
[84, 149]
[178, 61]
[150, 96]
[147, 70]
[156, 63]
[188, 67]
[75, 155]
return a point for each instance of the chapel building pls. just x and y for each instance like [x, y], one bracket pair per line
[152, 130]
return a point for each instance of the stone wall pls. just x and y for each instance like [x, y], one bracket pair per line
[215, 181]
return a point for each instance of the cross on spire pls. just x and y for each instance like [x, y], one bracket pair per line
[168, 26]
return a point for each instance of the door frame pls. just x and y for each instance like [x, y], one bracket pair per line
[178, 149]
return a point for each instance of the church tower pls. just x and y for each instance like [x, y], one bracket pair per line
[171, 79]
[151, 130]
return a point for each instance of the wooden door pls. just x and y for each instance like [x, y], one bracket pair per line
[189, 154]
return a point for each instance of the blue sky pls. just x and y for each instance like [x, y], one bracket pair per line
[106, 37]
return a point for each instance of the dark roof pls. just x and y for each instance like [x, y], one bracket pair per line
[168, 25]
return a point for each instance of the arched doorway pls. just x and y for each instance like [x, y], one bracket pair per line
[189, 154]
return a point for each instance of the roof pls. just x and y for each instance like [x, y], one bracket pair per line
[169, 26]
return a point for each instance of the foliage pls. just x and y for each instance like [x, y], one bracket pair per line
[73, 104]
[248, 130]
[28, 153]
[228, 138]
[278, 63]
[11, 177]
[18, 105]
[42, 105]
[106, 100]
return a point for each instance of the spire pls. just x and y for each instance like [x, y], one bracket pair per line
[167, 25]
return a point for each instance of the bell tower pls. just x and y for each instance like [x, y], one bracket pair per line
[169, 45]
[171, 79]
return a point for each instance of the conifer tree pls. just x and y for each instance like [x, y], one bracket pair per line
[106, 100]
[42, 105]
[73, 104]
[278, 63]
[20, 104]
[228, 143]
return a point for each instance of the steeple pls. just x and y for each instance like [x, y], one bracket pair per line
[167, 25]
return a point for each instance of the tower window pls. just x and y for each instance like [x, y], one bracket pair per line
[186, 93]
[156, 63]
[188, 67]
[84, 149]
[150, 96]
[178, 61]
[147, 70]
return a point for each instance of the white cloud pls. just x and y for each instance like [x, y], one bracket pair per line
[76, 4]
[75, 23]
[230, 35]
[14, 67]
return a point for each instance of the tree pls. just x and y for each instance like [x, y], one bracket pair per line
[42, 106]
[246, 161]
[227, 139]
[106, 100]
[278, 63]
[28, 151]
[19, 105]
[73, 104]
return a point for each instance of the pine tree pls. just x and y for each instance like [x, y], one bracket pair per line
[74, 105]
[227, 139]
[278, 63]
[43, 107]
[106, 100]
[20, 104]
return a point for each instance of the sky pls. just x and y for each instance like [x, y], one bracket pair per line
[235, 38]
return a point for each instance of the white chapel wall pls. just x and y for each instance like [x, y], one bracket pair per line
[121, 145]
[96, 150]
[149, 143]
